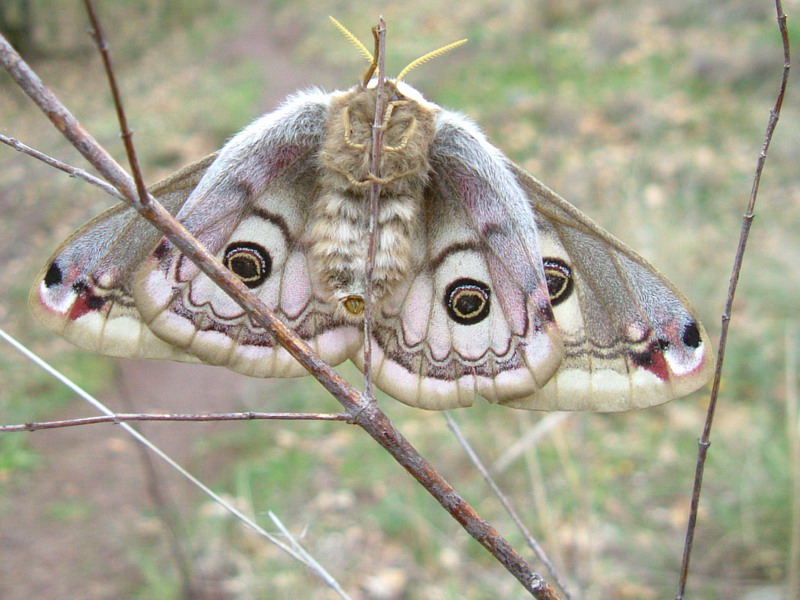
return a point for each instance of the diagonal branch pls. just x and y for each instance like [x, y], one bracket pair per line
[363, 412]
[144, 441]
[705, 439]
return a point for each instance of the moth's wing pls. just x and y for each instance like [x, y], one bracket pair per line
[631, 338]
[474, 317]
[83, 292]
[250, 210]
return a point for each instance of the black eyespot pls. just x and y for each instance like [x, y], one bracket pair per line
[559, 280]
[467, 301]
[250, 262]
[54, 276]
[691, 335]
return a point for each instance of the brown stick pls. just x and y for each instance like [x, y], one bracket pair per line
[533, 544]
[126, 417]
[705, 439]
[57, 164]
[364, 413]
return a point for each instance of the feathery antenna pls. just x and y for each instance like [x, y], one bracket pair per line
[353, 39]
[428, 56]
[368, 55]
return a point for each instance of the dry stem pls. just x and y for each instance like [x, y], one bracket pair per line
[747, 220]
[117, 418]
[379, 31]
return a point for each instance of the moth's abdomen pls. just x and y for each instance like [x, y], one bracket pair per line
[338, 233]
[338, 236]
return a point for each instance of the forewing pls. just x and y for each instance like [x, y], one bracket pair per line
[631, 338]
[474, 316]
[251, 211]
[83, 292]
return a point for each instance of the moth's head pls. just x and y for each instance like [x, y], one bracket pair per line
[396, 90]
[407, 127]
[399, 98]
[407, 133]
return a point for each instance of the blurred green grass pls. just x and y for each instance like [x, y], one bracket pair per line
[649, 118]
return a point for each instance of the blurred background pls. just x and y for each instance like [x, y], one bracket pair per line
[646, 115]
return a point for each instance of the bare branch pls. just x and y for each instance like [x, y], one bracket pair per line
[127, 135]
[705, 439]
[68, 169]
[532, 542]
[118, 418]
[379, 31]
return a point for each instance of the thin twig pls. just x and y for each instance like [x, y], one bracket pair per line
[117, 418]
[379, 32]
[531, 437]
[309, 560]
[127, 135]
[53, 162]
[747, 220]
[364, 412]
[248, 522]
[532, 543]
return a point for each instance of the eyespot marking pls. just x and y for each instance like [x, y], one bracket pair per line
[691, 335]
[54, 275]
[559, 280]
[248, 261]
[467, 301]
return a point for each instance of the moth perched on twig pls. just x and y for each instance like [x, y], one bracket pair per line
[485, 283]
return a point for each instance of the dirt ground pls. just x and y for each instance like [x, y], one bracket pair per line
[66, 528]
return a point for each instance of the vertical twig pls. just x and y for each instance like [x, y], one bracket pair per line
[379, 31]
[127, 135]
[747, 221]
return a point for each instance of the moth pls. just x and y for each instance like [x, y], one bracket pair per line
[486, 282]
